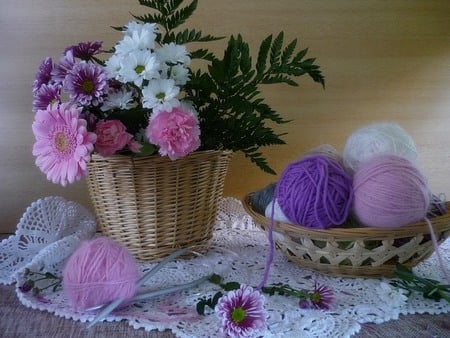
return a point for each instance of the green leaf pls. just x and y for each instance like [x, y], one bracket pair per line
[262, 55]
[201, 307]
[275, 50]
[231, 286]
[147, 149]
[288, 51]
[215, 279]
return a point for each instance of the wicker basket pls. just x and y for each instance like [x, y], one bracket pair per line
[354, 252]
[155, 206]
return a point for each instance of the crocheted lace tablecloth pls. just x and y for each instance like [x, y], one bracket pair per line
[51, 228]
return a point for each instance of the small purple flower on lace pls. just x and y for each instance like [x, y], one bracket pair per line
[27, 286]
[242, 312]
[42, 299]
[322, 297]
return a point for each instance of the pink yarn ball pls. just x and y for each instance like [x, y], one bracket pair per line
[390, 192]
[99, 271]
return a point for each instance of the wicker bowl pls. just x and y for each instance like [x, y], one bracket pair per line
[155, 206]
[354, 252]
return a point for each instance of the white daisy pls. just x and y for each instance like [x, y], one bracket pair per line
[178, 73]
[138, 66]
[160, 95]
[133, 26]
[113, 66]
[138, 40]
[121, 99]
[174, 54]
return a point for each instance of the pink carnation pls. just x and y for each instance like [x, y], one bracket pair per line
[112, 136]
[176, 133]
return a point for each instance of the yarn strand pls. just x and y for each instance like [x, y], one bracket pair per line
[271, 255]
[436, 250]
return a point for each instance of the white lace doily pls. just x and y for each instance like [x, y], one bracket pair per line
[47, 245]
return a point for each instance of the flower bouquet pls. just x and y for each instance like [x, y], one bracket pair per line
[138, 116]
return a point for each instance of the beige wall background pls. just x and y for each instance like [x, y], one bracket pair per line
[383, 61]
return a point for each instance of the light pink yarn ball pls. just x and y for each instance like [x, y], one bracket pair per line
[99, 271]
[390, 192]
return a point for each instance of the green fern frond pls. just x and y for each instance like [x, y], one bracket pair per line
[263, 54]
[275, 49]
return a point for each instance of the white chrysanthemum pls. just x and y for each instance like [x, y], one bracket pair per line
[113, 66]
[178, 73]
[120, 99]
[174, 54]
[138, 66]
[133, 26]
[160, 95]
[395, 297]
[138, 40]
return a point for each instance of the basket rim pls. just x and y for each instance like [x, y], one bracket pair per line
[439, 225]
[120, 157]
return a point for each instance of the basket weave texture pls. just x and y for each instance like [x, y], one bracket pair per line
[357, 251]
[155, 206]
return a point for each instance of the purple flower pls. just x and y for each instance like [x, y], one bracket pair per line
[242, 312]
[86, 83]
[42, 299]
[46, 94]
[64, 66]
[27, 286]
[44, 75]
[322, 297]
[85, 50]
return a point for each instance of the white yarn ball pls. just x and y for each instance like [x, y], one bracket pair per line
[278, 214]
[376, 139]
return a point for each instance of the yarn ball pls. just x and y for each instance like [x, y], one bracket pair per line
[390, 192]
[278, 214]
[315, 192]
[327, 150]
[377, 139]
[99, 271]
[261, 198]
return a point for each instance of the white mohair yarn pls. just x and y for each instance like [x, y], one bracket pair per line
[375, 139]
[278, 214]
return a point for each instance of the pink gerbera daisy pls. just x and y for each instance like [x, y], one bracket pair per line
[63, 145]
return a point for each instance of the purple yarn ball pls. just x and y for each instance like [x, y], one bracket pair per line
[315, 192]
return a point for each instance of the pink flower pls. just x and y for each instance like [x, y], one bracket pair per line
[63, 145]
[242, 312]
[112, 136]
[176, 133]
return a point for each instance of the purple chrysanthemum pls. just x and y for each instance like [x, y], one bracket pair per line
[86, 83]
[242, 312]
[63, 67]
[46, 94]
[85, 50]
[44, 75]
[320, 298]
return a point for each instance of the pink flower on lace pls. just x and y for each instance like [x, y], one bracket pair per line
[63, 145]
[112, 136]
[242, 312]
[176, 133]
